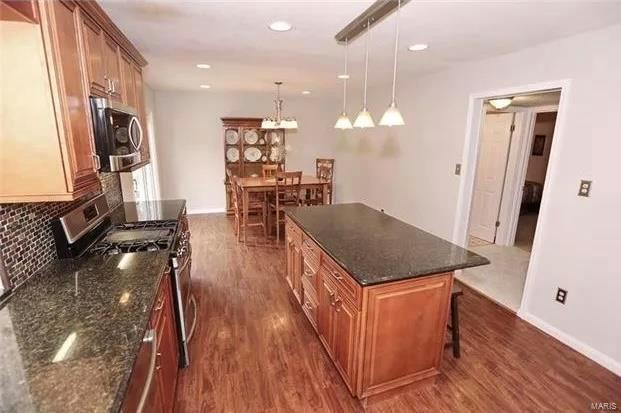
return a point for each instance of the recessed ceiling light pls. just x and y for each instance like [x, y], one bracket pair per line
[417, 47]
[344, 76]
[205, 86]
[306, 92]
[203, 66]
[280, 26]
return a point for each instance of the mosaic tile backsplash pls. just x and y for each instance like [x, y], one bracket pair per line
[26, 239]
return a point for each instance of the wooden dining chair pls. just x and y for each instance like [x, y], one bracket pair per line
[287, 193]
[255, 208]
[324, 169]
[269, 171]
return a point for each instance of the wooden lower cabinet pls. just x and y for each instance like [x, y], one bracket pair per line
[294, 264]
[379, 337]
[160, 347]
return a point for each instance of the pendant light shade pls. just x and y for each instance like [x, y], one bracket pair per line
[392, 116]
[364, 118]
[278, 122]
[343, 121]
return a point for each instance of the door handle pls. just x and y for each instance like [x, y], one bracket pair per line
[151, 338]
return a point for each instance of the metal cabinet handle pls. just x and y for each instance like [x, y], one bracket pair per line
[160, 305]
[337, 275]
[193, 302]
[151, 338]
[97, 161]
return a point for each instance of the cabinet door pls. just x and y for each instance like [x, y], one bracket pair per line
[113, 67]
[344, 345]
[94, 56]
[139, 93]
[127, 75]
[325, 314]
[74, 98]
[167, 352]
[290, 247]
[297, 271]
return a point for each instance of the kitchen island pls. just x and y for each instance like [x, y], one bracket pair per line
[375, 289]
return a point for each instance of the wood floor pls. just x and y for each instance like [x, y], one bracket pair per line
[254, 350]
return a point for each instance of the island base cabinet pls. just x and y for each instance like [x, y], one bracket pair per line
[404, 332]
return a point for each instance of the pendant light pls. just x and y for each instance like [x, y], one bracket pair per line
[343, 121]
[392, 116]
[278, 122]
[364, 118]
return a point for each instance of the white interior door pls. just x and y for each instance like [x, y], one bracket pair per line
[491, 167]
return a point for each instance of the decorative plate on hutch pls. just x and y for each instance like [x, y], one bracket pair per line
[231, 136]
[252, 154]
[251, 137]
[232, 154]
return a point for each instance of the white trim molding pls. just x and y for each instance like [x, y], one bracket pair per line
[582, 348]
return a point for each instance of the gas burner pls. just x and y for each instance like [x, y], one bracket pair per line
[107, 248]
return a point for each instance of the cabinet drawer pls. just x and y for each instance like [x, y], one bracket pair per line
[309, 273]
[160, 301]
[309, 306]
[310, 249]
[346, 285]
[293, 230]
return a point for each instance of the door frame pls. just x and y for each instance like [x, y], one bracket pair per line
[475, 115]
[516, 178]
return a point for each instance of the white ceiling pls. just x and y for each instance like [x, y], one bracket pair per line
[232, 36]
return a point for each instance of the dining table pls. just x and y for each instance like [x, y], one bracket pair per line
[259, 184]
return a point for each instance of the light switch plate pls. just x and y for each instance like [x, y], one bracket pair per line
[457, 169]
[585, 188]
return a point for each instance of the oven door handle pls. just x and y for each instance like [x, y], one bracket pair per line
[131, 133]
[193, 302]
[151, 339]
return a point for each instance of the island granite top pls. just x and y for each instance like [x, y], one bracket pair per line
[376, 248]
[69, 336]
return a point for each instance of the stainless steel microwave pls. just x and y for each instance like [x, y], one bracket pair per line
[118, 135]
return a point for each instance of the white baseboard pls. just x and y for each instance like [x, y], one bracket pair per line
[206, 211]
[582, 348]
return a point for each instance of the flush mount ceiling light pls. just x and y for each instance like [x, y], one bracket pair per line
[343, 121]
[306, 92]
[205, 86]
[417, 47]
[278, 122]
[501, 103]
[392, 116]
[364, 118]
[203, 66]
[280, 26]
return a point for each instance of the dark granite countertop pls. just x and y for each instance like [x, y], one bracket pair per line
[69, 337]
[161, 210]
[376, 248]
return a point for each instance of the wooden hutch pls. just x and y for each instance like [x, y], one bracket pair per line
[247, 148]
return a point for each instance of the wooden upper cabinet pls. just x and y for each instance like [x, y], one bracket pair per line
[127, 80]
[113, 67]
[46, 150]
[94, 56]
[139, 93]
[54, 55]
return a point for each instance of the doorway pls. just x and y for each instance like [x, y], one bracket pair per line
[514, 142]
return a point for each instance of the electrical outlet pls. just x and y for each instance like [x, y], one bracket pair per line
[585, 188]
[457, 169]
[561, 295]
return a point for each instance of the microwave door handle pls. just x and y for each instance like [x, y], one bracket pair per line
[135, 120]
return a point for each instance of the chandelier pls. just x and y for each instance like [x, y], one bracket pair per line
[278, 122]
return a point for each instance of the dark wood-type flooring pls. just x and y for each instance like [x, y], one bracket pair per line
[254, 350]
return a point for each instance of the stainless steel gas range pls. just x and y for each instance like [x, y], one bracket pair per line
[89, 230]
